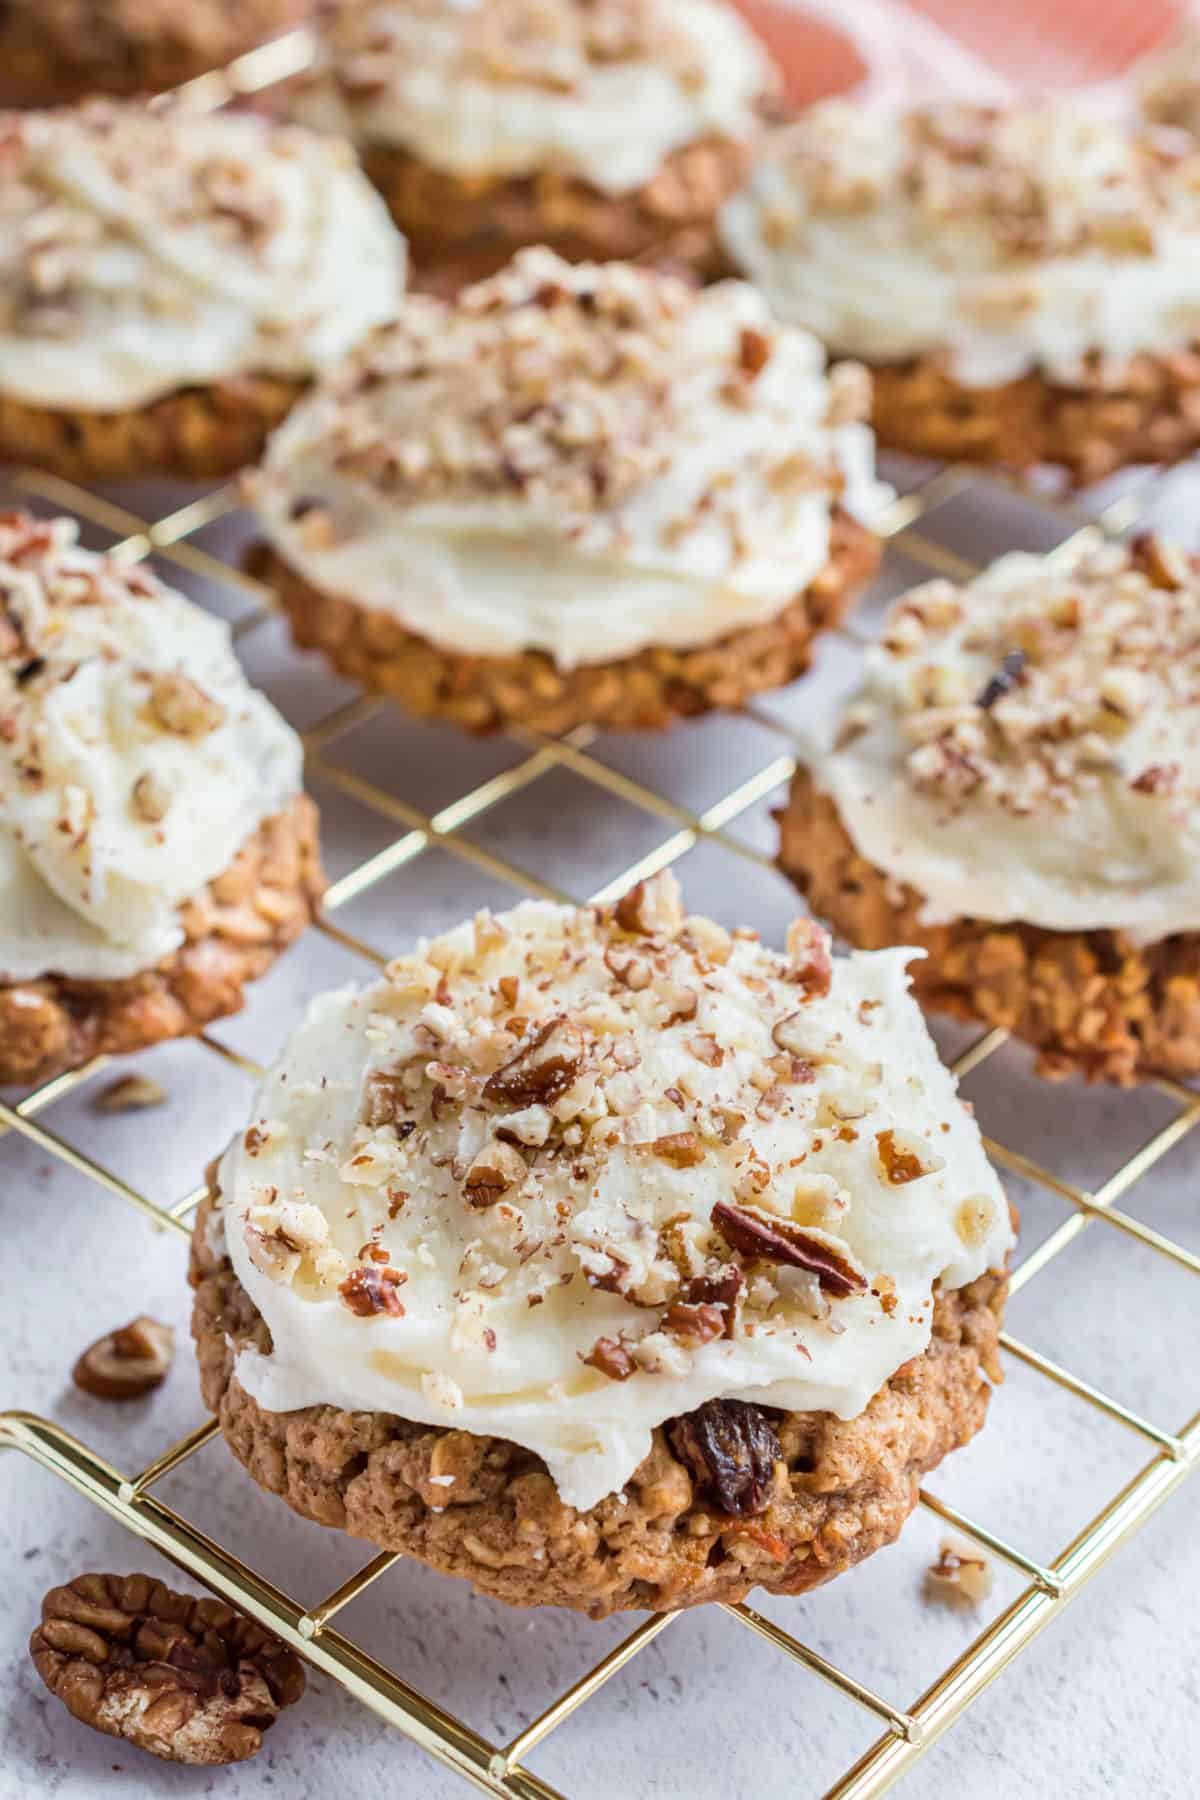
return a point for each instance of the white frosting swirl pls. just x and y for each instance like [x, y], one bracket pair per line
[456, 1216]
[143, 251]
[582, 460]
[509, 87]
[1006, 242]
[1028, 747]
[135, 760]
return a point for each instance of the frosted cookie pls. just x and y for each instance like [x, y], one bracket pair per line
[67, 49]
[1168, 83]
[576, 493]
[1016, 790]
[1025, 285]
[156, 850]
[604, 128]
[606, 1258]
[171, 282]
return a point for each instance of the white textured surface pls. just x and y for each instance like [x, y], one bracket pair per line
[1102, 1705]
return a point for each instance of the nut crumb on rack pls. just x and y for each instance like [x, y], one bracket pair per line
[189, 1680]
[129, 1093]
[961, 1576]
[128, 1363]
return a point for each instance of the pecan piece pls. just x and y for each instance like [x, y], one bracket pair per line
[542, 1069]
[187, 1679]
[731, 1448]
[811, 964]
[754, 351]
[496, 1169]
[183, 708]
[372, 1290]
[610, 1356]
[125, 1364]
[1165, 565]
[1003, 681]
[651, 907]
[682, 1149]
[722, 1291]
[779, 1240]
[129, 1093]
[906, 1157]
[694, 1322]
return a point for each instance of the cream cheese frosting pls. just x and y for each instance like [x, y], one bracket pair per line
[135, 760]
[604, 90]
[565, 1174]
[584, 460]
[1027, 747]
[1007, 241]
[144, 250]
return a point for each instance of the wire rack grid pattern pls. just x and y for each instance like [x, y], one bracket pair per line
[1046, 1586]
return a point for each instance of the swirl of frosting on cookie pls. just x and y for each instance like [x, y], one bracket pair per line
[565, 1174]
[135, 760]
[583, 460]
[601, 89]
[146, 249]
[1037, 238]
[1028, 746]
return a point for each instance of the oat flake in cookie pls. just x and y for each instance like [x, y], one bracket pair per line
[170, 282]
[1016, 789]
[607, 1258]
[1024, 284]
[156, 849]
[576, 493]
[604, 128]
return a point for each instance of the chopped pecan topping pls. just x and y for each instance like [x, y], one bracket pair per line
[754, 351]
[651, 907]
[610, 1356]
[127, 1364]
[694, 1323]
[1159, 778]
[187, 1679]
[705, 1048]
[498, 1168]
[906, 1157]
[722, 1291]
[812, 965]
[1166, 564]
[682, 1149]
[775, 1239]
[960, 1575]
[183, 708]
[732, 1449]
[542, 1069]
[1003, 681]
[372, 1290]
[151, 798]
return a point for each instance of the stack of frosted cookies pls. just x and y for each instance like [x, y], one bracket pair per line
[170, 283]
[574, 494]
[1016, 790]
[603, 128]
[1025, 285]
[606, 1258]
[156, 850]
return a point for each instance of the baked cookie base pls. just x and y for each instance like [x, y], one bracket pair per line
[1151, 416]
[234, 931]
[197, 433]
[649, 690]
[463, 228]
[57, 51]
[848, 1488]
[1091, 1002]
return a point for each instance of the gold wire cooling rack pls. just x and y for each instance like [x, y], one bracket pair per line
[1047, 1586]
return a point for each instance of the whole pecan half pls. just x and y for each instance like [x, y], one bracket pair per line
[731, 1448]
[779, 1240]
[187, 1679]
